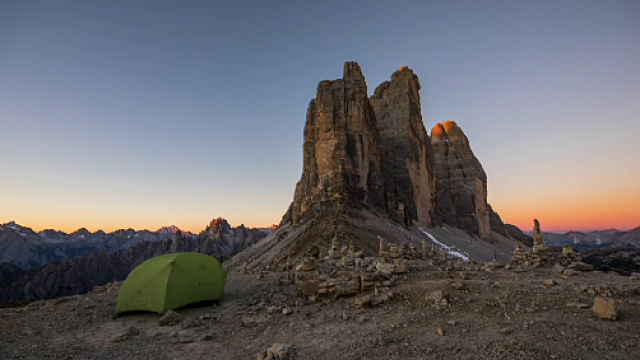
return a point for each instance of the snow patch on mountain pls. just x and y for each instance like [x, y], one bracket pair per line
[451, 250]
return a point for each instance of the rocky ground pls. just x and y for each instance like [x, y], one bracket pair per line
[533, 314]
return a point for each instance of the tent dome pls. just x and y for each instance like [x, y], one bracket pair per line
[171, 281]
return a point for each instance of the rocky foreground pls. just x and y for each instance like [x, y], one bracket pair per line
[473, 314]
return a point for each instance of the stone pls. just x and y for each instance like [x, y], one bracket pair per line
[567, 250]
[506, 331]
[580, 266]
[132, 331]
[191, 324]
[120, 337]
[558, 268]
[287, 311]
[550, 282]
[170, 318]
[577, 305]
[437, 299]
[440, 332]
[279, 351]
[385, 267]
[605, 308]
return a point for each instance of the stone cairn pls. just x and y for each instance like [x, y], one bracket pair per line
[538, 239]
[541, 256]
[345, 271]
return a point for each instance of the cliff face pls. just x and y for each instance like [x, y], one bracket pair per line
[361, 152]
[461, 183]
[408, 157]
[341, 150]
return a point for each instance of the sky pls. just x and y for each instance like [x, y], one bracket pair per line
[141, 114]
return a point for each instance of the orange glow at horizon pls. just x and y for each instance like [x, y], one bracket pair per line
[70, 228]
[572, 211]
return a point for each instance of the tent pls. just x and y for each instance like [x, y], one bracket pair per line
[171, 281]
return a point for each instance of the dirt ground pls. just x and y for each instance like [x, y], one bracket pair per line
[491, 315]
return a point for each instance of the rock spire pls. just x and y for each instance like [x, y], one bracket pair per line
[341, 162]
[461, 183]
[408, 158]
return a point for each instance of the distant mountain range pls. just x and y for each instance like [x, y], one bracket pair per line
[51, 263]
[24, 248]
[598, 239]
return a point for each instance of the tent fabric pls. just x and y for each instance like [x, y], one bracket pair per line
[171, 281]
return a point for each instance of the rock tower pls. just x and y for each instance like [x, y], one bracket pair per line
[461, 183]
[361, 152]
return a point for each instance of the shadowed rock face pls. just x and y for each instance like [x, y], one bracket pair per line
[341, 150]
[461, 183]
[408, 158]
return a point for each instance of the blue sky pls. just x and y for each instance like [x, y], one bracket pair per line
[142, 114]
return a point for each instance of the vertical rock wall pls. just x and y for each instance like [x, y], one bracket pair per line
[341, 150]
[461, 183]
[408, 158]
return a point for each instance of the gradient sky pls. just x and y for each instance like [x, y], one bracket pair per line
[118, 114]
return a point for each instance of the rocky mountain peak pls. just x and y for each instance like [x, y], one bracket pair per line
[81, 232]
[404, 72]
[439, 133]
[217, 227]
[171, 229]
[220, 222]
[341, 160]
[352, 71]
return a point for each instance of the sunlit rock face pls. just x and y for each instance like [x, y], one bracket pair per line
[408, 158]
[461, 183]
[341, 150]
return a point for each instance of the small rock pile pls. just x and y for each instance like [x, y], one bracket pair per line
[541, 256]
[345, 271]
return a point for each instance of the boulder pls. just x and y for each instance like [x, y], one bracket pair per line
[169, 318]
[605, 308]
[580, 266]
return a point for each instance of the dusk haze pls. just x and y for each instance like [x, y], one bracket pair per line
[121, 114]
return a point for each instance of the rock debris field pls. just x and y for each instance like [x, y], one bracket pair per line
[536, 313]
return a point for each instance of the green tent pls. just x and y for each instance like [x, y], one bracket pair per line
[171, 281]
